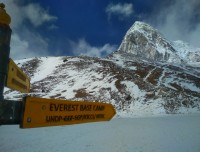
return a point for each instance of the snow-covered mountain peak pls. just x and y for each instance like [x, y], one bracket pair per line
[141, 27]
[187, 52]
[184, 46]
[144, 41]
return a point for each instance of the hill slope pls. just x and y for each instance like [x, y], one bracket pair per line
[134, 87]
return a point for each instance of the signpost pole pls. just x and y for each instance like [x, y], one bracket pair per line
[5, 35]
[9, 110]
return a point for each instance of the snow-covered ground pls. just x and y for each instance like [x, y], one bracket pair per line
[152, 134]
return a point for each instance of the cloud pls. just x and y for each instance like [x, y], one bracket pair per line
[84, 48]
[179, 21]
[37, 15]
[25, 40]
[32, 45]
[53, 27]
[121, 10]
[21, 46]
[32, 12]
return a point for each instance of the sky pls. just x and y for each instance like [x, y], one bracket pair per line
[94, 27]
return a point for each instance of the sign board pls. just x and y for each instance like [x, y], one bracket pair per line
[40, 112]
[17, 79]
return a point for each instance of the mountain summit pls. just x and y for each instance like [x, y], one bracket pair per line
[145, 42]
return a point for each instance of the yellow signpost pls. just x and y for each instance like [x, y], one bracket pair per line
[17, 79]
[40, 112]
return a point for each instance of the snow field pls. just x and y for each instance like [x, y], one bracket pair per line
[46, 68]
[150, 134]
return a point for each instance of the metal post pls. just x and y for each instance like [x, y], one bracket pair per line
[5, 35]
[10, 111]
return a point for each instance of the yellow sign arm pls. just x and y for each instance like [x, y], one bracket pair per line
[40, 112]
[17, 79]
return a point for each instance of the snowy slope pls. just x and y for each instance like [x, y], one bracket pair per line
[135, 88]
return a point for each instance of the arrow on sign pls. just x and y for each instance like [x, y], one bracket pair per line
[40, 112]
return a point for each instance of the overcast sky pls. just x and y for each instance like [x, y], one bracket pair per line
[94, 27]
